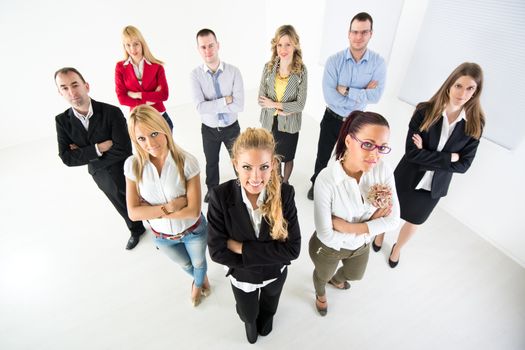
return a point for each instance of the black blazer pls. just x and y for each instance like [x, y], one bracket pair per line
[107, 123]
[415, 162]
[262, 258]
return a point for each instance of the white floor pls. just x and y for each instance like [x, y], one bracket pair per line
[66, 281]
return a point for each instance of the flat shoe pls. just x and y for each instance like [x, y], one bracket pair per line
[346, 285]
[322, 310]
[195, 300]
[205, 292]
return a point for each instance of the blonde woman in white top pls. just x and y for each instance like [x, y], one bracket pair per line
[163, 187]
[354, 200]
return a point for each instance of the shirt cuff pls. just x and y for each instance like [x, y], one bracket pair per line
[98, 152]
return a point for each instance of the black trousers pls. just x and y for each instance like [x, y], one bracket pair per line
[260, 305]
[328, 134]
[112, 182]
[168, 120]
[212, 138]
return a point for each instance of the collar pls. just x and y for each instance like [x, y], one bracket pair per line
[130, 60]
[348, 55]
[81, 116]
[462, 116]
[219, 68]
[260, 199]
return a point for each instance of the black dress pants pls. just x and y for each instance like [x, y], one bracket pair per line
[212, 138]
[112, 182]
[328, 134]
[260, 305]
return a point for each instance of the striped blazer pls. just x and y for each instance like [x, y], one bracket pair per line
[293, 100]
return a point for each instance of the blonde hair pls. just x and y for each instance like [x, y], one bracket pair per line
[149, 118]
[262, 139]
[473, 111]
[129, 33]
[297, 60]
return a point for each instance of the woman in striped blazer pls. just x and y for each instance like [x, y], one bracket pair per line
[282, 94]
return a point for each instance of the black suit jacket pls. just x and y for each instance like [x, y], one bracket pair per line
[262, 258]
[107, 123]
[416, 161]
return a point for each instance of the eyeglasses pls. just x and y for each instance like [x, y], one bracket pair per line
[362, 32]
[369, 146]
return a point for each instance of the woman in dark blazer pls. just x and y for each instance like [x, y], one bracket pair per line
[253, 230]
[282, 94]
[443, 137]
[140, 77]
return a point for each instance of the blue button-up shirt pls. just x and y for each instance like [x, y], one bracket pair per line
[205, 98]
[342, 69]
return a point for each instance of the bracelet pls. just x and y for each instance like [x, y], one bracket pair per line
[164, 210]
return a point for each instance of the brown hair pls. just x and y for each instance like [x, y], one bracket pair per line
[473, 111]
[153, 121]
[351, 126]
[262, 139]
[66, 70]
[297, 60]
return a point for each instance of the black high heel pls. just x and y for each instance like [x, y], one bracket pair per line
[390, 261]
[375, 247]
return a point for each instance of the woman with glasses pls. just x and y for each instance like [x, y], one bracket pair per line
[354, 200]
[443, 136]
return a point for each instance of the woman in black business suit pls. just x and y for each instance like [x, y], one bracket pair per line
[443, 136]
[253, 230]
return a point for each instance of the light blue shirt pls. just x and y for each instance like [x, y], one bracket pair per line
[205, 98]
[342, 69]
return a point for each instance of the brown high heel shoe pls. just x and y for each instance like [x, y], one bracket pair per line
[195, 297]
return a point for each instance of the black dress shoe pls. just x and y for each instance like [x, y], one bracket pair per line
[390, 261]
[207, 197]
[251, 332]
[132, 242]
[265, 327]
[310, 194]
[375, 247]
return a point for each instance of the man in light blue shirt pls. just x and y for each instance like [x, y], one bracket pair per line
[352, 78]
[218, 94]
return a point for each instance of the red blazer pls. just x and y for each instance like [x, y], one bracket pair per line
[153, 76]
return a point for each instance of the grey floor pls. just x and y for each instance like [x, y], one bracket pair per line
[66, 281]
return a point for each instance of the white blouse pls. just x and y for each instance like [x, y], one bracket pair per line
[158, 190]
[336, 193]
[446, 131]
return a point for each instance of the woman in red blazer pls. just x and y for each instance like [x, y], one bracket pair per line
[443, 137]
[140, 77]
[253, 230]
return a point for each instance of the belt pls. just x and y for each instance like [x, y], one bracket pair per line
[178, 235]
[335, 115]
[220, 128]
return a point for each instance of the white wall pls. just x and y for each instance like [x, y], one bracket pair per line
[40, 36]
[87, 36]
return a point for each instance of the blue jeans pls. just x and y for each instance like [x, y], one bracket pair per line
[189, 251]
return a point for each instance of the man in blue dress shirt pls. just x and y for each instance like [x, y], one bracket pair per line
[218, 94]
[352, 78]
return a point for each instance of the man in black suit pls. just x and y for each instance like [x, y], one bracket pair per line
[95, 134]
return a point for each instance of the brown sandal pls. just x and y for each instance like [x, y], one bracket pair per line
[346, 285]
